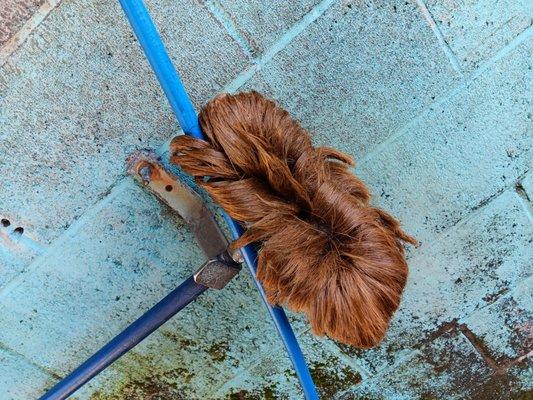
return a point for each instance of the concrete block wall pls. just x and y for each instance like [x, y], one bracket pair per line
[432, 98]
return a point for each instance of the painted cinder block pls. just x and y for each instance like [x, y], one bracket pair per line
[504, 328]
[262, 23]
[512, 383]
[111, 267]
[470, 267]
[359, 73]
[273, 376]
[459, 154]
[79, 96]
[101, 276]
[19, 379]
[447, 367]
[476, 30]
[13, 16]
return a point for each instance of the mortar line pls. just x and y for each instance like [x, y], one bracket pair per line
[30, 243]
[22, 240]
[510, 292]
[471, 214]
[331, 346]
[237, 376]
[452, 58]
[25, 31]
[328, 345]
[524, 199]
[282, 42]
[478, 346]
[42, 368]
[499, 367]
[69, 233]
[351, 361]
[224, 18]
[405, 129]
[381, 373]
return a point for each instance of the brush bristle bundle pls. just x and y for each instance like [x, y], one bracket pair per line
[323, 250]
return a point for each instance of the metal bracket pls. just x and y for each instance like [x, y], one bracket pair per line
[216, 273]
[221, 267]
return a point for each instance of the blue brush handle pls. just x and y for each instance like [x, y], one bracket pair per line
[178, 98]
[175, 301]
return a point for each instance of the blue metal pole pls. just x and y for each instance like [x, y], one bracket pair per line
[176, 300]
[278, 317]
[169, 80]
[155, 52]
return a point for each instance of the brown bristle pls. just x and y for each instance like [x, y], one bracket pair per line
[324, 250]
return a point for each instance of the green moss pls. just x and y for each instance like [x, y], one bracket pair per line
[153, 386]
[330, 381]
[266, 393]
[218, 351]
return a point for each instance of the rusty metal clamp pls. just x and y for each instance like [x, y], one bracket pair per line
[222, 265]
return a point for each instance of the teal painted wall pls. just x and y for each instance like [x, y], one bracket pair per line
[431, 97]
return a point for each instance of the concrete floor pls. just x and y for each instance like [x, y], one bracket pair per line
[433, 99]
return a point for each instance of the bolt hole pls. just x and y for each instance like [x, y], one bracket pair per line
[168, 188]
[5, 222]
[19, 230]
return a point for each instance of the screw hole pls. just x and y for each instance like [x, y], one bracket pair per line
[5, 222]
[19, 230]
[168, 188]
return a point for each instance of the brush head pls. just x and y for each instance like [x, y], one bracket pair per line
[323, 250]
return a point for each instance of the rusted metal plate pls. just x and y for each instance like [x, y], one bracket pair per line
[221, 267]
[146, 168]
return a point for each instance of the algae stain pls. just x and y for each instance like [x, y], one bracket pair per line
[143, 379]
[157, 386]
[330, 381]
[150, 388]
[218, 351]
[266, 393]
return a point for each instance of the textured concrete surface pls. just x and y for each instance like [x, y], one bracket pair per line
[432, 98]
[474, 30]
[76, 141]
[13, 15]
[19, 378]
[262, 23]
[480, 143]
[447, 365]
[359, 106]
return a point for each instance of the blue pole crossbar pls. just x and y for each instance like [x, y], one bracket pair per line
[169, 80]
[189, 290]
[176, 300]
